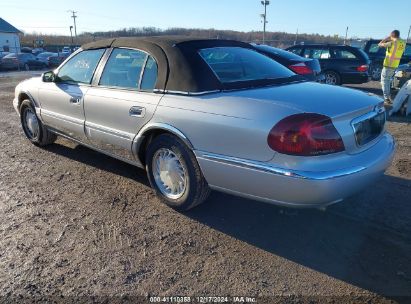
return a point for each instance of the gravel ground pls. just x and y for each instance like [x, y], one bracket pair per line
[77, 224]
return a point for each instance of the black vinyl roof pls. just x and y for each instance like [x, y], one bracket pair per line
[180, 67]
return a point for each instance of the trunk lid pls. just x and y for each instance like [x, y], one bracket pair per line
[344, 106]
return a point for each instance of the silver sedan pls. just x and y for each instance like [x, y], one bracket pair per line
[211, 114]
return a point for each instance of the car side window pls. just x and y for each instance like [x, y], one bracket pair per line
[317, 53]
[148, 82]
[344, 54]
[407, 51]
[123, 69]
[375, 49]
[81, 67]
[296, 51]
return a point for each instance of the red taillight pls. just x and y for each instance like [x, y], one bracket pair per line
[362, 68]
[301, 68]
[305, 134]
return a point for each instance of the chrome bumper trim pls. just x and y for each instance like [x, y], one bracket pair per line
[270, 168]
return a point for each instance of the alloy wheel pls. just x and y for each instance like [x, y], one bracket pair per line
[330, 79]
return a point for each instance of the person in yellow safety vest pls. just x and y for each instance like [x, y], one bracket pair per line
[395, 48]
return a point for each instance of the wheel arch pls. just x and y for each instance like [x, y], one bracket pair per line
[23, 95]
[151, 131]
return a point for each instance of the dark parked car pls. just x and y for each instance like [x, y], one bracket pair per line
[45, 57]
[377, 55]
[24, 61]
[56, 60]
[340, 63]
[37, 51]
[309, 68]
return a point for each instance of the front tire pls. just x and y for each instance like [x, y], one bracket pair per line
[174, 174]
[34, 130]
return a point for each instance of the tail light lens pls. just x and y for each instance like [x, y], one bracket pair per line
[362, 68]
[301, 69]
[305, 134]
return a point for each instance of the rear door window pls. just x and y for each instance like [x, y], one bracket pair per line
[344, 54]
[317, 53]
[148, 82]
[296, 50]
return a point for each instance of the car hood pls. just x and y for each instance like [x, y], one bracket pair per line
[404, 67]
[312, 97]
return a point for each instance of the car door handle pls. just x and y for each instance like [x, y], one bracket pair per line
[75, 100]
[137, 111]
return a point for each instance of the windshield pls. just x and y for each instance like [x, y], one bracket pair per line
[236, 64]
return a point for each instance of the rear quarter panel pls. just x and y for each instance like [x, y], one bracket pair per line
[223, 124]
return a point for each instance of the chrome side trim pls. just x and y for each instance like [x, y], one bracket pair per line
[134, 163]
[272, 169]
[125, 135]
[273, 201]
[186, 93]
[62, 117]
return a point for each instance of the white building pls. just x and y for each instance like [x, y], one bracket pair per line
[9, 37]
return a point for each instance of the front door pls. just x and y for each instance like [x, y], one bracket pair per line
[62, 100]
[122, 102]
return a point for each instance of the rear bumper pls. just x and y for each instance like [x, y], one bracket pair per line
[355, 78]
[268, 183]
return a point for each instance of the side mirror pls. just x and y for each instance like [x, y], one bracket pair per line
[48, 76]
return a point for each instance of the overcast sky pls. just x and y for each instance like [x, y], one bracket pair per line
[365, 18]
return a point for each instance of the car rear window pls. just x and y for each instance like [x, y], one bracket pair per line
[237, 64]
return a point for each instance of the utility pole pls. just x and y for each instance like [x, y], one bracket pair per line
[264, 16]
[346, 35]
[74, 16]
[409, 32]
[296, 37]
[71, 35]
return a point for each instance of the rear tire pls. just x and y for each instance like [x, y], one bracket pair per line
[174, 173]
[332, 78]
[375, 72]
[34, 130]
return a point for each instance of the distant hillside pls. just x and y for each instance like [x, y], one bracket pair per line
[278, 39]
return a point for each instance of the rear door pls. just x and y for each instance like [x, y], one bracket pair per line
[62, 101]
[322, 54]
[122, 102]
